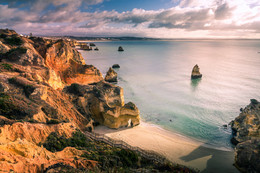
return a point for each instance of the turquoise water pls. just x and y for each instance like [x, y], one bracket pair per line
[155, 75]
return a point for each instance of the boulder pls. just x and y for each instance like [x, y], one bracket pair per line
[92, 44]
[247, 156]
[195, 74]
[116, 66]
[96, 49]
[120, 49]
[111, 75]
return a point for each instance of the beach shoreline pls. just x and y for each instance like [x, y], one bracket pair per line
[175, 147]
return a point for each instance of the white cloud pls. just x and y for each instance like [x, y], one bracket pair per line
[200, 17]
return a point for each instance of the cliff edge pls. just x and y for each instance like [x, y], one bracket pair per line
[45, 88]
[246, 137]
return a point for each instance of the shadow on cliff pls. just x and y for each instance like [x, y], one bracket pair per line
[194, 83]
[220, 161]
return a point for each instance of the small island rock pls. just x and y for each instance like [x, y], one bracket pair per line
[116, 66]
[96, 49]
[92, 44]
[120, 48]
[195, 74]
[111, 75]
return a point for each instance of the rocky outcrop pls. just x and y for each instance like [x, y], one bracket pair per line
[116, 66]
[23, 156]
[120, 49]
[46, 87]
[246, 131]
[111, 75]
[105, 102]
[70, 66]
[195, 74]
[247, 156]
[247, 125]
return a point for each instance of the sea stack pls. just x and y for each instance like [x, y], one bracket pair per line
[120, 49]
[111, 75]
[195, 74]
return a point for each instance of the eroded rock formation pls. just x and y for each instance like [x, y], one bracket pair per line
[111, 75]
[38, 82]
[246, 130]
[105, 102]
[195, 74]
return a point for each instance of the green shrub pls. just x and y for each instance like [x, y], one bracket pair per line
[12, 80]
[8, 109]
[14, 41]
[52, 121]
[28, 89]
[55, 143]
[129, 158]
[254, 101]
[75, 89]
[3, 36]
[7, 66]
[13, 54]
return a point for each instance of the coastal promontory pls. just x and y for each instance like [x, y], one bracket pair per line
[48, 98]
[246, 131]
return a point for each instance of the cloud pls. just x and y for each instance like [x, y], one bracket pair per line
[223, 11]
[188, 16]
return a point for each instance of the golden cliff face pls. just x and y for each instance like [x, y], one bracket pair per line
[35, 75]
[69, 65]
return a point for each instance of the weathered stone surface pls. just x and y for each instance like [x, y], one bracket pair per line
[195, 74]
[246, 130]
[69, 65]
[34, 102]
[104, 102]
[247, 125]
[247, 156]
[111, 75]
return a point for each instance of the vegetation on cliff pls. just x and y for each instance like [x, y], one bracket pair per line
[109, 158]
[46, 93]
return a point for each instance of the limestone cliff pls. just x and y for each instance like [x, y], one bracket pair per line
[246, 130]
[39, 95]
[105, 103]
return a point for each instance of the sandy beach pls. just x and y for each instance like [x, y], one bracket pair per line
[175, 147]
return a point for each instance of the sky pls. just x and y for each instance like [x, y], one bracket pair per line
[139, 18]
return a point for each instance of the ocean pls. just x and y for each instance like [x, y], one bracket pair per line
[155, 76]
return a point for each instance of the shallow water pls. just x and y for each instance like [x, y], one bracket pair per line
[155, 75]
